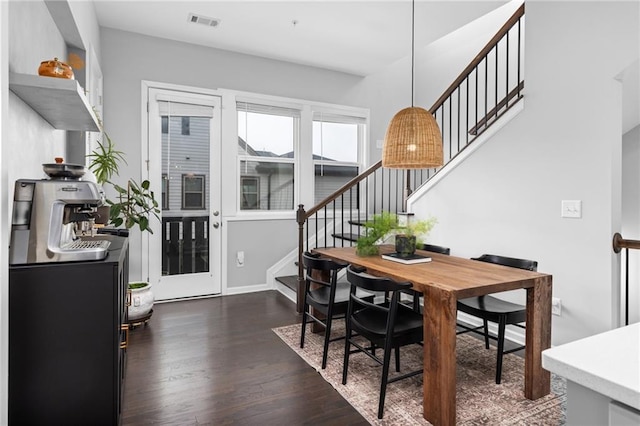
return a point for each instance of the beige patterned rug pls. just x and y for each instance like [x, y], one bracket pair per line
[479, 400]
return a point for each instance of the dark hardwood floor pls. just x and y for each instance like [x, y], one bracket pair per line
[216, 361]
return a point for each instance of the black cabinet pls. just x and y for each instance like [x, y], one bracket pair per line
[67, 340]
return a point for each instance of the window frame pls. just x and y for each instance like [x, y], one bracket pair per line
[304, 169]
[203, 195]
[257, 193]
[334, 115]
[165, 194]
[185, 126]
[296, 112]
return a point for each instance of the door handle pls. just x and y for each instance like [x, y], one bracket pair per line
[216, 213]
[216, 225]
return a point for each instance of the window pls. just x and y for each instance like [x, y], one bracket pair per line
[193, 192]
[266, 141]
[165, 192]
[186, 126]
[250, 192]
[336, 142]
[165, 124]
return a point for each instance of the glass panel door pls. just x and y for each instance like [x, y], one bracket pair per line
[184, 144]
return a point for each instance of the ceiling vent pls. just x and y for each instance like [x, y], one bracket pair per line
[204, 20]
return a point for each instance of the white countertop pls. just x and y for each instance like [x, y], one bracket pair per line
[608, 363]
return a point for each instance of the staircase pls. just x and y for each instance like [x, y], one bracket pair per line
[483, 92]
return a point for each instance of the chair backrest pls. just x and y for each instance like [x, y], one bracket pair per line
[359, 279]
[312, 261]
[529, 265]
[436, 249]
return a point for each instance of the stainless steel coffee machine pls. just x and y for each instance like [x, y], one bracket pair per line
[53, 218]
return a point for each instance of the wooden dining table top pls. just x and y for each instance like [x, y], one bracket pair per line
[463, 277]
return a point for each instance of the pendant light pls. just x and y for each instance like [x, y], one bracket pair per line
[413, 139]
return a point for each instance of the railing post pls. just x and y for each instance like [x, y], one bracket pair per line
[620, 243]
[301, 218]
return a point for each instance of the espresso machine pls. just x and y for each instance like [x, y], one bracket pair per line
[53, 219]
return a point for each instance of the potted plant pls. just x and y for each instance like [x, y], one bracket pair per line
[141, 301]
[375, 229]
[409, 235]
[133, 205]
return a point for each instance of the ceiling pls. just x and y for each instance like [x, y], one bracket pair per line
[356, 37]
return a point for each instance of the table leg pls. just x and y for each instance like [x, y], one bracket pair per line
[439, 375]
[537, 380]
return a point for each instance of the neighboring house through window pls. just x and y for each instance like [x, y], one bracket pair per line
[193, 195]
[269, 146]
[337, 139]
[266, 139]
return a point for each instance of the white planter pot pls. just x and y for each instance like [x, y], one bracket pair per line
[141, 302]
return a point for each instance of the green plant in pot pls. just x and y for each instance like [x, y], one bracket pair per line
[133, 205]
[135, 202]
[411, 234]
[378, 227]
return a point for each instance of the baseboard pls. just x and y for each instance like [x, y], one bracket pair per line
[247, 289]
[512, 334]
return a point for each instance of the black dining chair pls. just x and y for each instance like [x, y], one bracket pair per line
[489, 308]
[326, 295]
[389, 326]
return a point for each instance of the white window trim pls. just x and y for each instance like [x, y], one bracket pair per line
[303, 188]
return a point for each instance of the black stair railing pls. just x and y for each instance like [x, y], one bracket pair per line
[620, 243]
[488, 87]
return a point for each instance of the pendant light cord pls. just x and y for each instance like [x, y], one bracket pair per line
[413, 35]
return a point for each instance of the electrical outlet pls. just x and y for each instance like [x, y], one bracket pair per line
[240, 259]
[556, 306]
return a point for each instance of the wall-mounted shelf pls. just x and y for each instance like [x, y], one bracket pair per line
[61, 102]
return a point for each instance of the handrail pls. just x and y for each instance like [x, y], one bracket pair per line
[344, 188]
[479, 58]
[619, 243]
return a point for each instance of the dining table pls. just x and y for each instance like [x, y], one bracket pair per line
[443, 281]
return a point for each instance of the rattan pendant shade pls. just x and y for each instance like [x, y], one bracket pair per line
[412, 141]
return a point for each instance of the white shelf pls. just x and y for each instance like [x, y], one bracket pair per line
[61, 102]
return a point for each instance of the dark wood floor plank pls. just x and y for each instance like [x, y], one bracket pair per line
[216, 361]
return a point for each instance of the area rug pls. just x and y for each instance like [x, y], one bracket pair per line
[480, 401]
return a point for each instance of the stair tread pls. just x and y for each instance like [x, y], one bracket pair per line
[290, 281]
[347, 236]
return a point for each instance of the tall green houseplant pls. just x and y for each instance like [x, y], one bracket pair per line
[135, 202]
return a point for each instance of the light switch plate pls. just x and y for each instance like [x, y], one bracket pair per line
[572, 209]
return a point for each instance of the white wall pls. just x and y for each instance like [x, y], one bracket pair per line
[124, 67]
[631, 215]
[565, 145]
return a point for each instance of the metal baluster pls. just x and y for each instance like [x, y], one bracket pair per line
[496, 98]
[507, 73]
